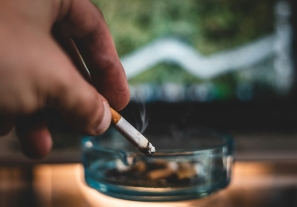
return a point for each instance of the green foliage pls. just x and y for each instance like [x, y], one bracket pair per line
[164, 73]
[208, 25]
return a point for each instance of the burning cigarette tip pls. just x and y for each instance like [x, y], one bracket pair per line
[149, 150]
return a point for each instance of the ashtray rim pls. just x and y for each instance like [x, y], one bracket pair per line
[228, 141]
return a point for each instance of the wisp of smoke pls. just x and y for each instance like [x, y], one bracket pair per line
[143, 119]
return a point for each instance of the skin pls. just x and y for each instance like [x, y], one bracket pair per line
[40, 66]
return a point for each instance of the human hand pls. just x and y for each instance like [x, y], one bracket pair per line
[40, 69]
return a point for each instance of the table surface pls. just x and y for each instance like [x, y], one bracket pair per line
[254, 184]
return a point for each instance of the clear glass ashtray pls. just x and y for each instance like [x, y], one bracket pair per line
[188, 164]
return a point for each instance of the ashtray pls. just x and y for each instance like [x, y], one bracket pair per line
[188, 164]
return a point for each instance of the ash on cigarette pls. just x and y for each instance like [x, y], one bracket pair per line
[156, 173]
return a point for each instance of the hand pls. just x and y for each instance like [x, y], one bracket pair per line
[39, 66]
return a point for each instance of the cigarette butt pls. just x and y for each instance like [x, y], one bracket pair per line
[169, 170]
[121, 167]
[158, 174]
[160, 162]
[186, 170]
[140, 167]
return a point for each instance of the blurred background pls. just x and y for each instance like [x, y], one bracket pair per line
[221, 64]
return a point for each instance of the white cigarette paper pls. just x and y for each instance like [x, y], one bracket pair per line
[131, 134]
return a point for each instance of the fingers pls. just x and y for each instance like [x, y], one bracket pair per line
[34, 136]
[66, 90]
[48, 77]
[86, 25]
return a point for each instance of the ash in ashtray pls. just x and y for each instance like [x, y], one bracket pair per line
[156, 173]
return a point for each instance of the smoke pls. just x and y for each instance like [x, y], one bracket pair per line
[178, 129]
[142, 118]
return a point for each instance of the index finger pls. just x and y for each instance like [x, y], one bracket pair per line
[85, 24]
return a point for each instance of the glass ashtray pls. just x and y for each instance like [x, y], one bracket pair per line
[187, 165]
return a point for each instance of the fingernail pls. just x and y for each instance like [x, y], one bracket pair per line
[106, 119]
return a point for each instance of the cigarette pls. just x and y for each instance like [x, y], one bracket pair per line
[131, 134]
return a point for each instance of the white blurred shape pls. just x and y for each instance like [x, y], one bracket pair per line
[175, 51]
